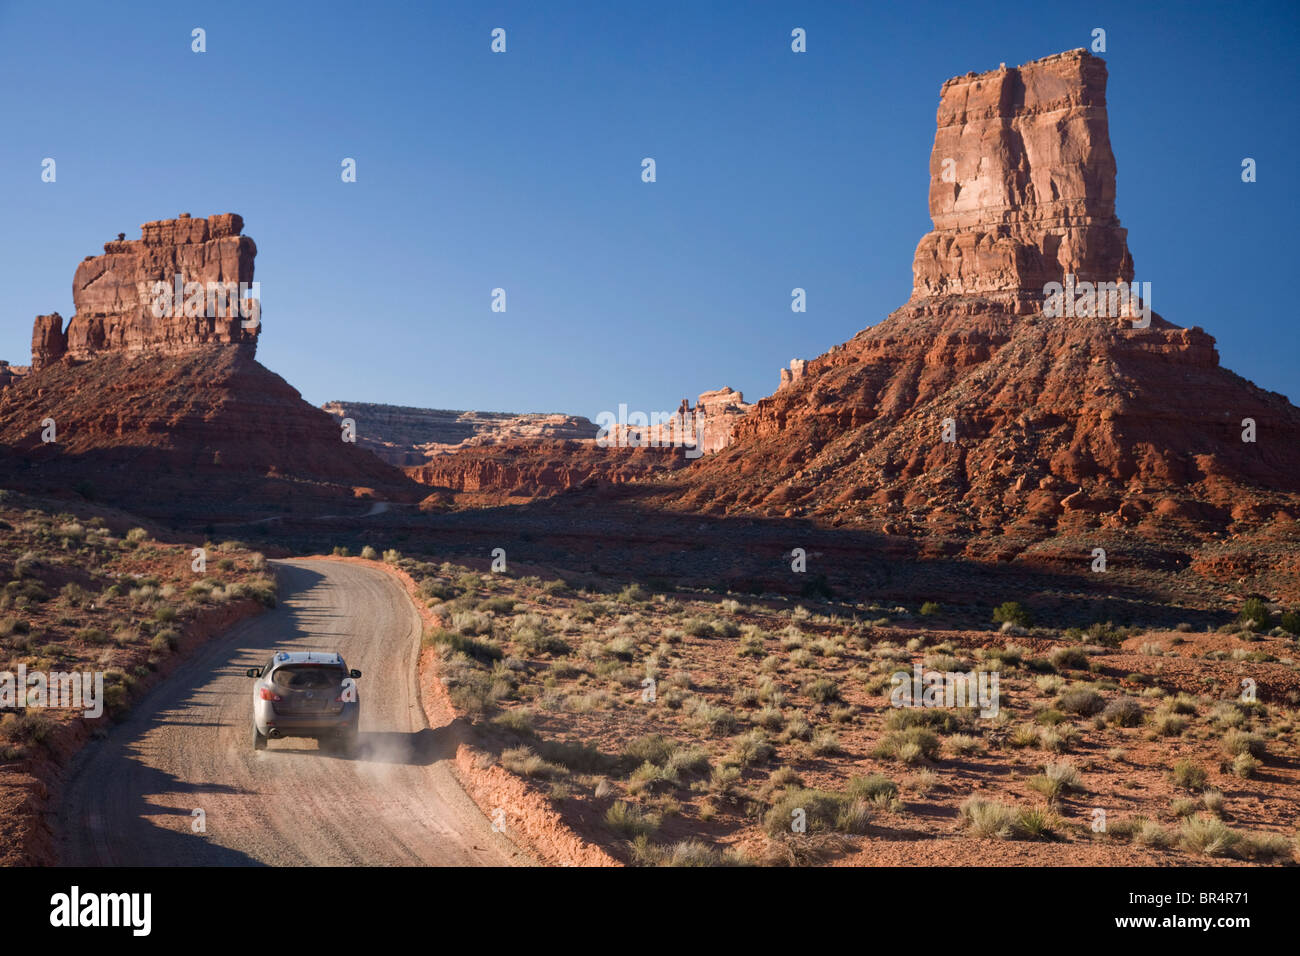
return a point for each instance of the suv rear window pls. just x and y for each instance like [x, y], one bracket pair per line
[308, 676]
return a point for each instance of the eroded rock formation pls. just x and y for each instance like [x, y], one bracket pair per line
[716, 414]
[972, 415]
[708, 426]
[49, 342]
[172, 415]
[120, 306]
[9, 374]
[1022, 184]
[792, 374]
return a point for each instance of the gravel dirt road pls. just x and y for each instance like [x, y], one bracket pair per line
[129, 798]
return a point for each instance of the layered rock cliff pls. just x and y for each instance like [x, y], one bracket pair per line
[704, 428]
[497, 457]
[405, 436]
[716, 416]
[516, 471]
[184, 283]
[1022, 185]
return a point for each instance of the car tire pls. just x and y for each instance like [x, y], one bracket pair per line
[259, 739]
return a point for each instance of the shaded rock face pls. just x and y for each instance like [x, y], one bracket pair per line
[519, 471]
[971, 415]
[205, 434]
[116, 297]
[407, 436]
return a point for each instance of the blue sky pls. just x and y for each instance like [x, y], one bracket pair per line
[522, 171]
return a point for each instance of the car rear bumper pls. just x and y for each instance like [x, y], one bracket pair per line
[309, 725]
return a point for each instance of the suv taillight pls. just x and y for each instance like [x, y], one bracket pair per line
[268, 694]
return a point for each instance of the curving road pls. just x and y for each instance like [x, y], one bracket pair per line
[129, 798]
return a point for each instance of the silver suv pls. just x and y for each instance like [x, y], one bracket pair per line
[305, 694]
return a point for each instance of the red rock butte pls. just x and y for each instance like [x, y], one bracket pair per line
[113, 293]
[1059, 427]
[172, 415]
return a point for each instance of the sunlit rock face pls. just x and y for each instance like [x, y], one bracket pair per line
[1022, 184]
[125, 299]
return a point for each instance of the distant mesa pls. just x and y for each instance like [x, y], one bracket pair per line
[404, 436]
[716, 414]
[496, 457]
[708, 426]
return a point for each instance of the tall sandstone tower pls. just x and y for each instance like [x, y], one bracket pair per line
[1022, 184]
